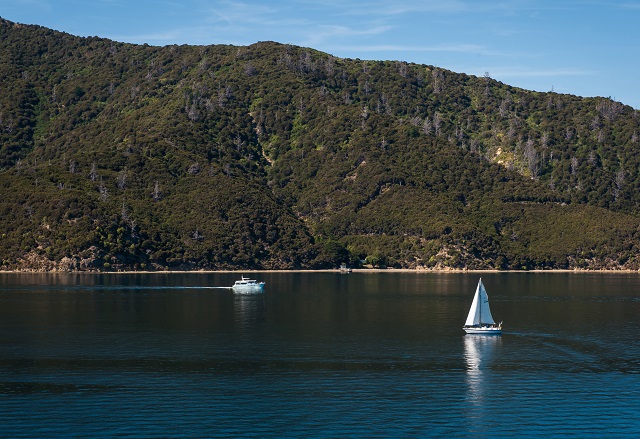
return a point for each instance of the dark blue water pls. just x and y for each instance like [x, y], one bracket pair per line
[318, 355]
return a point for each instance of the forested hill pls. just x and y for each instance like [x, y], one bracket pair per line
[117, 156]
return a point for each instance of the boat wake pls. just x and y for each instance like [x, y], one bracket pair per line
[103, 288]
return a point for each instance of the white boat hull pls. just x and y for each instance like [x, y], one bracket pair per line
[483, 330]
[248, 289]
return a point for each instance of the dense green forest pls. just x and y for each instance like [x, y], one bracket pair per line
[116, 156]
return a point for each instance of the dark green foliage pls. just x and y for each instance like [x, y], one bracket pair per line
[116, 156]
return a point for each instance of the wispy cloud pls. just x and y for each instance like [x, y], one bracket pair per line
[14, 9]
[158, 38]
[322, 33]
[232, 12]
[24, 3]
[386, 8]
[520, 72]
[630, 6]
[472, 49]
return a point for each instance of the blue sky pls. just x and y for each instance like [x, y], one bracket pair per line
[587, 48]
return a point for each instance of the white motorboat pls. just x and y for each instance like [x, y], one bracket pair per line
[246, 285]
[480, 320]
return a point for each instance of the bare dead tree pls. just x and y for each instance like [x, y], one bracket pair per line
[415, 120]
[618, 182]
[568, 134]
[504, 108]
[93, 174]
[609, 109]
[238, 142]
[513, 125]
[384, 104]
[438, 80]
[619, 179]
[437, 123]
[346, 97]
[134, 90]
[474, 145]
[487, 88]
[306, 63]
[364, 114]
[329, 65]
[544, 140]
[574, 165]
[249, 69]
[194, 169]
[426, 127]
[531, 157]
[122, 180]
[224, 94]
[102, 190]
[128, 220]
[156, 192]
[402, 69]
[124, 213]
[192, 112]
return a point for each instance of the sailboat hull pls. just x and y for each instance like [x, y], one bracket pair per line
[483, 330]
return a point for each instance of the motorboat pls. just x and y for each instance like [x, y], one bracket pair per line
[246, 286]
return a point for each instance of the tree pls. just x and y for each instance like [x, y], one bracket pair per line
[437, 123]
[93, 174]
[122, 180]
[156, 191]
[102, 189]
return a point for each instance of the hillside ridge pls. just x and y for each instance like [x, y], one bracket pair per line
[116, 156]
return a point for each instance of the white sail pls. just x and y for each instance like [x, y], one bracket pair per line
[474, 312]
[480, 314]
[485, 312]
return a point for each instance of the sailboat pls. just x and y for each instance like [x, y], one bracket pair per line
[480, 320]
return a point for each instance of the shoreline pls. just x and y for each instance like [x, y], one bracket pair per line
[329, 270]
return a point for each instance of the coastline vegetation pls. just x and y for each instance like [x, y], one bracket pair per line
[118, 157]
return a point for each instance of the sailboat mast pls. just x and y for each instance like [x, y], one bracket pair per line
[480, 298]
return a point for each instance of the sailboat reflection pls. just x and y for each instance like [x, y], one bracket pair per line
[479, 353]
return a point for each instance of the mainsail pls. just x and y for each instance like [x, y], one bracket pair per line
[480, 314]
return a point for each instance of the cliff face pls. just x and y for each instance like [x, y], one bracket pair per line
[116, 156]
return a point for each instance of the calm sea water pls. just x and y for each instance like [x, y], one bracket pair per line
[318, 355]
